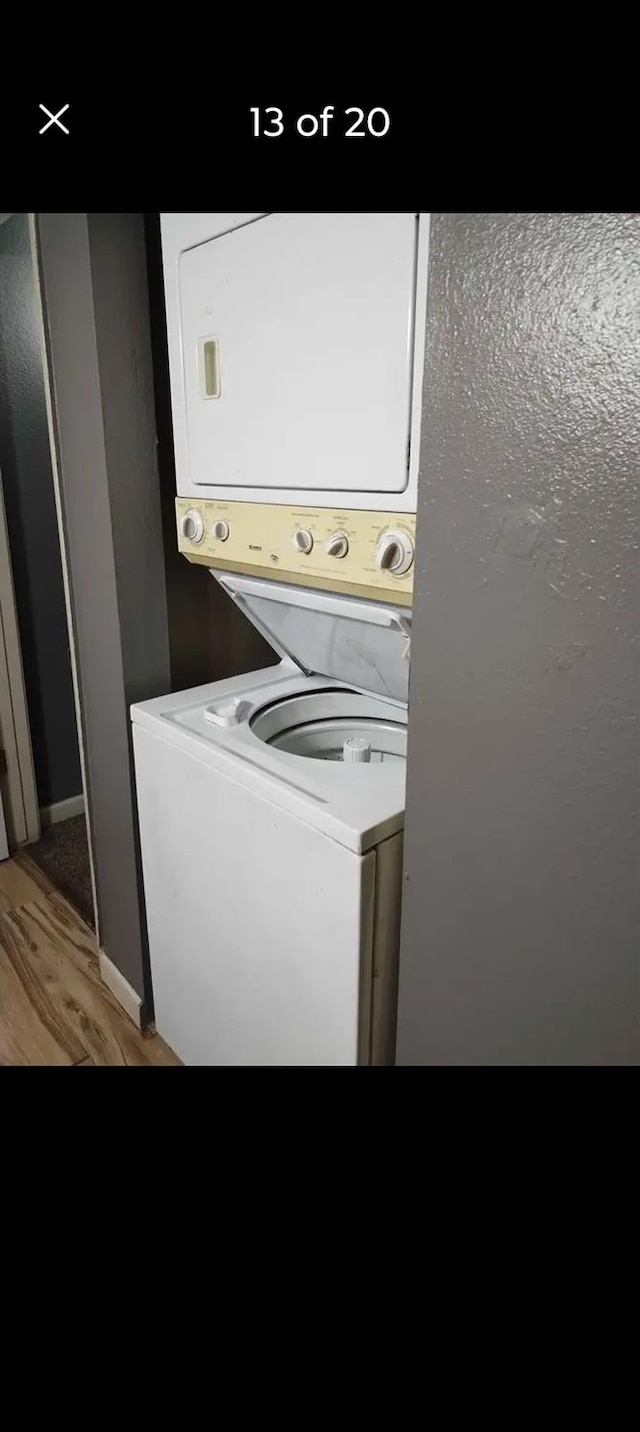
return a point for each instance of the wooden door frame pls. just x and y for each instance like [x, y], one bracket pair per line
[64, 558]
[18, 781]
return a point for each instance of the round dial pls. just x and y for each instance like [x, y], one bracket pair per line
[395, 552]
[302, 541]
[338, 545]
[220, 530]
[192, 525]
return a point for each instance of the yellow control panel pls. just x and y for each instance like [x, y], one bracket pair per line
[366, 554]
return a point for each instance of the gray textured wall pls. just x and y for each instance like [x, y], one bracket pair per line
[522, 899]
[33, 530]
[94, 284]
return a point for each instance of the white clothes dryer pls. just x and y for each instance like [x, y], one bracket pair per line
[296, 352]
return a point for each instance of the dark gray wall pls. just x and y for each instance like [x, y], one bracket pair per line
[33, 530]
[522, 900]
[94, 283]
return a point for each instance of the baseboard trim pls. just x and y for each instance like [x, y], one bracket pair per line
[61, 810]
[120, 988]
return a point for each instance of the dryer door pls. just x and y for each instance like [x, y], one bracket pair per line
[297, 337]
[359, 643]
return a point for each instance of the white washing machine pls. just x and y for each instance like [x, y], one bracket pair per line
[271, 812]
[271, 806]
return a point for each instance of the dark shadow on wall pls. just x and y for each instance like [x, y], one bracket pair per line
[209, 638]
[27, 480]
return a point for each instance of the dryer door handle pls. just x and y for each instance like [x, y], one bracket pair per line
[209, 368]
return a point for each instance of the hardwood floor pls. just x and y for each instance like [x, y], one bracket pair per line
[54, 1007]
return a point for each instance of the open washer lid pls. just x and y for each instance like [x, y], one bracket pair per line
[360, 643]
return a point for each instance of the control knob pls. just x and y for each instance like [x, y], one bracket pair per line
[220, 530]
[192, 525]
[395, 552]
[338, 545]
[302, 541]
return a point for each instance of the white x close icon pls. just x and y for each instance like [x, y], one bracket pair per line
[54, 119]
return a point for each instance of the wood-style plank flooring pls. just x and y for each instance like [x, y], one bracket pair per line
[54, 1007]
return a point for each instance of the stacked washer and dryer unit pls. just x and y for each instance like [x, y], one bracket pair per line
[271, 805]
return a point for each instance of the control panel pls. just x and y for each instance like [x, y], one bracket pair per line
[369, 554]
